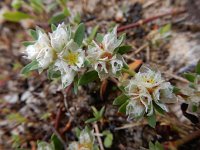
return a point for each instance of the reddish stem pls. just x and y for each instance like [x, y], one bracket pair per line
[144, 21]
[58, 117]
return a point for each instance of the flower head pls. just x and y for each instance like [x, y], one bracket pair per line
[102, 56]
[86, 141]
[69, 62]
[41, 50]
[145, 90]
[58, 53]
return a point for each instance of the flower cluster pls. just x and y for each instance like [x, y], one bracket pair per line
[146, 90]
[86, 141]
[57, 51]
[103, 57]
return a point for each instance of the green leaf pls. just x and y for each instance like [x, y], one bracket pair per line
[79, 34]
[57, 143]
[16, 141]
[99, 37]
[75, 87]
[102, 111]
[190, 77]
[16, 16]
[120, 99]
[88, 77]
[122, 108]
[123, 49]
[165, 29]
[122, 88]
[93, 34]
[66, 12]
[16, 117]
[27, 43]
[95, 112]
[34, 34]
[53, 27]
[122, 37]
[151, 146]
[57, 18]
[194, 108]
[51, 74]
[198, 68]
[159, 146]
[152, 120]
[77, 18]
[31, 66]
[37, 5]
[108, 140]
[176, 90]
[45, 116]
[91, 120]
[158, 109]
[16, 4]
[77, 132]
[62, 2]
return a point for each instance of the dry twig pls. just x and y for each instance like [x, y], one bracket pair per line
[96, 128]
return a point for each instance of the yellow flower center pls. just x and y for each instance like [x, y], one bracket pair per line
[71, 58]
[86, 145]
[149, 80]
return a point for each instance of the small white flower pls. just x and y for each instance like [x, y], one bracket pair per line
[110, 41]
[86, 141]
[45, 57]
[102, 56]
[69, 62]
[67, 74]
[60, 37]
[145, 88]
[134, 109]
[86, 137]
[41, 50]
[31, 52]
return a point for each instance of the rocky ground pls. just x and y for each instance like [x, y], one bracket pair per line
[33, 107]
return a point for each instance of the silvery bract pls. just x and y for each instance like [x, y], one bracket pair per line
[102, 56]
[146, 88]
[69, 61]
[73, 146]
[41, 50]
[60, 37]
[86, 141]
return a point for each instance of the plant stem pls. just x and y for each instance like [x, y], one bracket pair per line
[130, 72]
[143, 21]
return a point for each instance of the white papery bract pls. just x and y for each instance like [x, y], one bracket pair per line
[102, 56]
[145, 89]
[73, 146]
[86, 141]
[41, 50]
[60, 37]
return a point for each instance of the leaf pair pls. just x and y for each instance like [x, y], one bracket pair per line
[98, 115]
[122, 102]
